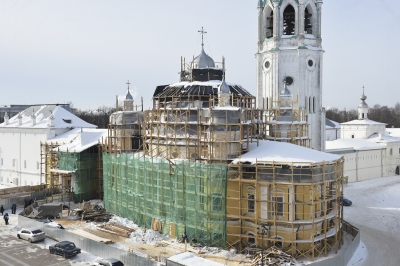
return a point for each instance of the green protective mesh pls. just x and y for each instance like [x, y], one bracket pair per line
[190, 195]
[84, 165]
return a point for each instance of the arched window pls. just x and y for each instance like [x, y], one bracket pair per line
[309, 104]
[251, 240]
[251, 203]
[308, 28]
[269, 22]
[277, 243]
[289, 20]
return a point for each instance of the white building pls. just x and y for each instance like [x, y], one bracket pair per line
[20, 138]
[290, 52]
[332, 130]
[369, 152]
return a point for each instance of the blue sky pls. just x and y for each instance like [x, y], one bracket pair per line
[84, 51]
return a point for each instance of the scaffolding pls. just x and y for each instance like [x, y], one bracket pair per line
[180, 196]
[72, 173]
[286, 122]
[297, 205]
[181, 177]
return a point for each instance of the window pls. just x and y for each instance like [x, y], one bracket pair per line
[391, 152]
[251, 240]
[13, 162]
[313, 104]
[25, 164]
[289, 20]
[250, 203]
[270, 22]
[37, 165]
[278, 244]
[216, 202]
[2, 159]
[308, 20]
[277, 206]
[352, 136]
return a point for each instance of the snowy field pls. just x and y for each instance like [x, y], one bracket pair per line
[376, 212]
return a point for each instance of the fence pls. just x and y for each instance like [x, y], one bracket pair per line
[7, 203]
[88, 245]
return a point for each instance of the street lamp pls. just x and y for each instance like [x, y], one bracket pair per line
[263, 231]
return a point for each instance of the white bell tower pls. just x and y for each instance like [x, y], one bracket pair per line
[290, 52]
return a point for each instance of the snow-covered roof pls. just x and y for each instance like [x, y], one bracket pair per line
[282, 152]
[363, 122]
[79, 139]
[62, 118]
[190, 259]
[394, 132]
[331, 124]
[355, 144]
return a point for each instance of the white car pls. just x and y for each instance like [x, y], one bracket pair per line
[31, 234]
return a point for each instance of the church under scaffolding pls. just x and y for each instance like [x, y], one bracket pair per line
[206, 162]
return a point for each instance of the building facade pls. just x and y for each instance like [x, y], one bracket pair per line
[20, 138]
[368, 151]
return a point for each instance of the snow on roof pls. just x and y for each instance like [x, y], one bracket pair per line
[356, 144]
[284, 153]
[190, 259]
[394, 132]
[62, 118]
[213, 83]
[79, 139]
[331, 124]
[363, 122]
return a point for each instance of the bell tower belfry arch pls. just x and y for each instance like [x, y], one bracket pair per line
[290, 54]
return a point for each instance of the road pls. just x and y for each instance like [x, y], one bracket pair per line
[18, 252]
[376, 212]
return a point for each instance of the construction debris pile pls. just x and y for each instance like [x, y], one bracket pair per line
[116, 229]
[88, 211]
[273, 257]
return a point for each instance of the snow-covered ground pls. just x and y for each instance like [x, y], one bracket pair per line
[376, 212]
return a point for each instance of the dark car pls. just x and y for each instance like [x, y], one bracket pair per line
[65, 248]
[345, 201]
[110, 262]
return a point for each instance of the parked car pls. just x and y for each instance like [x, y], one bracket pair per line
[110, 262]
[345, 201]
[31, 234]
[65, 248]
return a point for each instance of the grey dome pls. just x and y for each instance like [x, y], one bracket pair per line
[224, 88]
[363, 104]
[128, 96]
[203, 60]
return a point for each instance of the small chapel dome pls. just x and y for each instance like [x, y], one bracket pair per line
[224, 88]
[129, 96]
[363, 104]
[203, 60]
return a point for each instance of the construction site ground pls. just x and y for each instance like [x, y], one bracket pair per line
[146, 242]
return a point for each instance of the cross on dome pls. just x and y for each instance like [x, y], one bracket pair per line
[202, 35]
